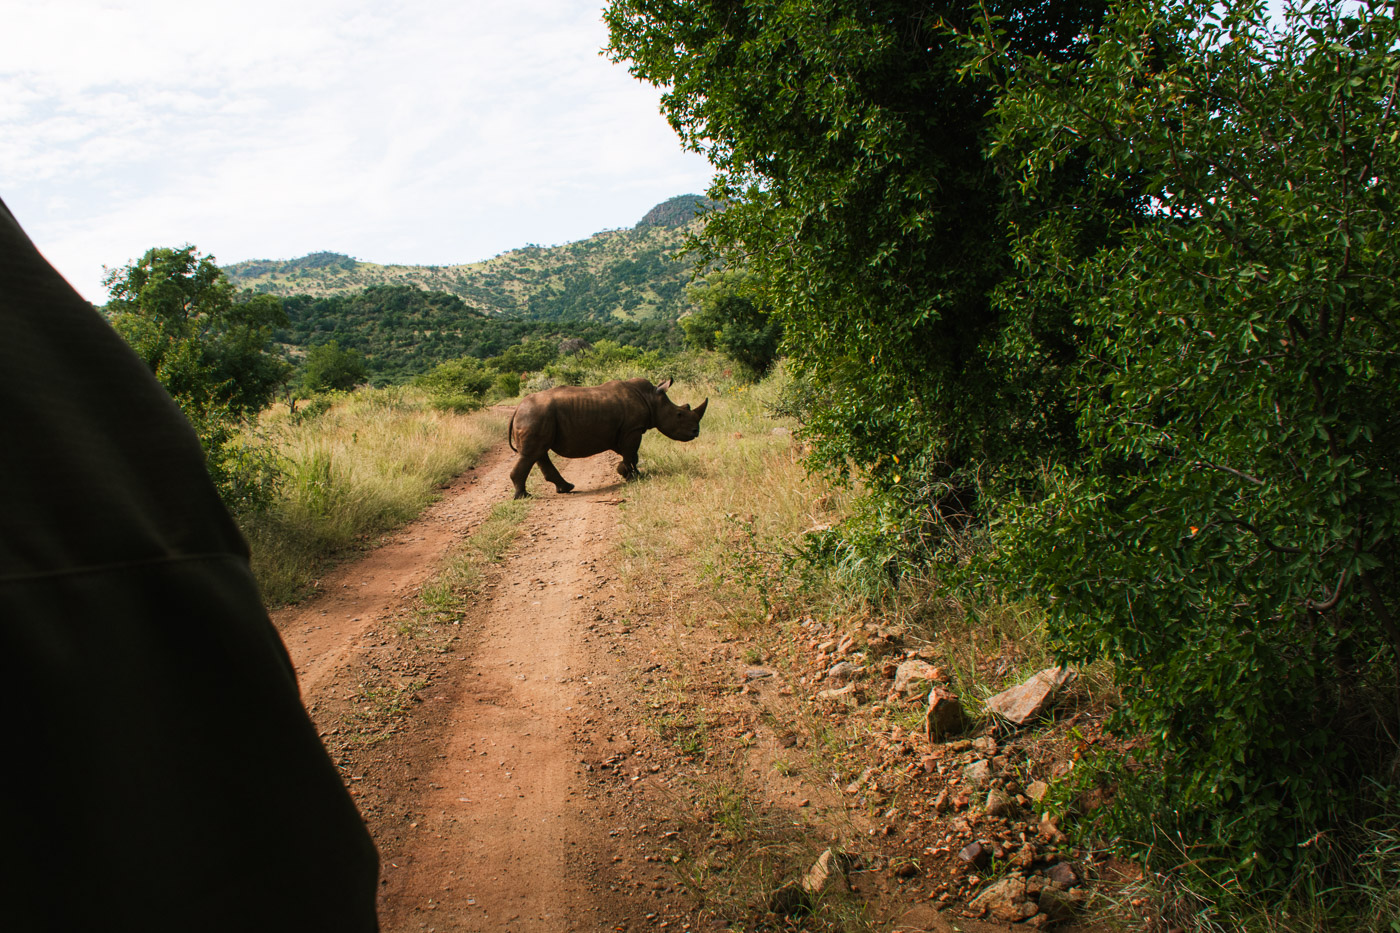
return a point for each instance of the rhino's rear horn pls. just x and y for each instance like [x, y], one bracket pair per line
[700, 409]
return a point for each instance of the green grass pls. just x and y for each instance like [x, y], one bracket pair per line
[444, 600]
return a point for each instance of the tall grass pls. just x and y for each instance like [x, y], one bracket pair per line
[730, 504]
[369, 462]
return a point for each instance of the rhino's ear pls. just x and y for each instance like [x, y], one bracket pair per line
[663, 387]
[700, 409]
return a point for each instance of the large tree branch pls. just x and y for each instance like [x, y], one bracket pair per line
[1331, 601]
[1231, 470]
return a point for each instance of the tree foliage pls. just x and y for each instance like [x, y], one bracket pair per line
[210, 346]
[527, 356]
[729, 316]
[1229, 537]
[331, 367]
[849, 154]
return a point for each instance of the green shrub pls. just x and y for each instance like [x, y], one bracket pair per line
[331, 367]
[729, 315]
[1230, 537]
[528, 356]
[458, 385]
[459, 404]
[506, 385]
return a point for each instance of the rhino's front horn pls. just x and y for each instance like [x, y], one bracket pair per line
[700, 409]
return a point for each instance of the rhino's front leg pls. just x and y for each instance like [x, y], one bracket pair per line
[629, 447]
[518, 473]
[552, 474]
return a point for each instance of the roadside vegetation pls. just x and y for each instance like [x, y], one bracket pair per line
[348, 468]
[1095, 308]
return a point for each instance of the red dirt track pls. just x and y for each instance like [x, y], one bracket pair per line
[478, 802]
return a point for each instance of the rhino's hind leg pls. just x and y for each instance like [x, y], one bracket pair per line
[518, 473]
[554, 476]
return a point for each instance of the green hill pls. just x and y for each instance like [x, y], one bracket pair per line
[404, 330]
[619, 275]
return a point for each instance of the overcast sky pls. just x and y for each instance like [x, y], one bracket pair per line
[397, 131]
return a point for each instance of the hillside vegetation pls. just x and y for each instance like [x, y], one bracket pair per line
[625, 275]
[403, 331]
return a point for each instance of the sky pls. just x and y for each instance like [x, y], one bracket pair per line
[395, 131]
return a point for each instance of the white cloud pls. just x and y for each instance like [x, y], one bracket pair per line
[420, 131]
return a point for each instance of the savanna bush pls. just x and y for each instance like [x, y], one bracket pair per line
[1228, 535]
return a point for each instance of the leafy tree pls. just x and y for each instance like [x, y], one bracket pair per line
[525, 357]
[729, 317]
[330, 366]
[1229, 538]
[210, 346]
[848, 146]
[464, 376]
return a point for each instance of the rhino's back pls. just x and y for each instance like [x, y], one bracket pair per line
[579, 421]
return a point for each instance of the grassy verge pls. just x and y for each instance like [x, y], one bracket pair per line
[729, 504]
[444, 600]
[370, 462]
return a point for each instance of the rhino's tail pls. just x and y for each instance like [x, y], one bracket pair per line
[510, 433]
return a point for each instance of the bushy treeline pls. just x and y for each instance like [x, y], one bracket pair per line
[404, 331]
[1119, 282]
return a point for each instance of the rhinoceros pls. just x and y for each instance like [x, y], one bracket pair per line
[576, 421]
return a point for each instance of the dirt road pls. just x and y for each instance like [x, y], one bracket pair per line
[488, 759]
[561, 752]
